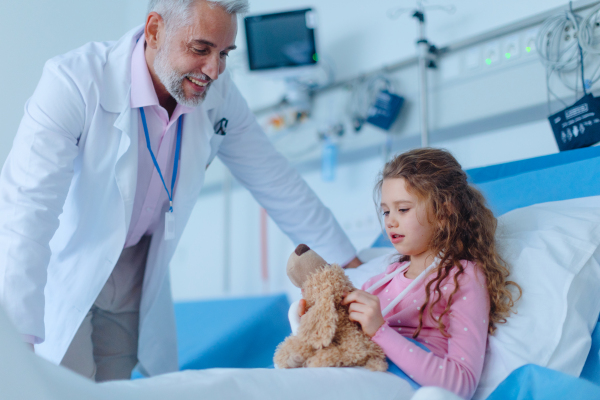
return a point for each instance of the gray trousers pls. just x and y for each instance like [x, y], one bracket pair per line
[105, 345]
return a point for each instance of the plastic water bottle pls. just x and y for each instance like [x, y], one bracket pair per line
[328, 160]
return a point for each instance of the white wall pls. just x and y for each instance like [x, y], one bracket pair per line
[358, 37]
[196, 269]
[34, 31]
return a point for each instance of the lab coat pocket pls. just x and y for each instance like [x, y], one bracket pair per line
[215, 144]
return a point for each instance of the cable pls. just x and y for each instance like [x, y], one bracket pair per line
[363, 95]
[565, 44]
[551, 49]
[586, 36]
[572, 17]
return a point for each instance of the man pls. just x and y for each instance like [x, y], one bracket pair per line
[104, 172]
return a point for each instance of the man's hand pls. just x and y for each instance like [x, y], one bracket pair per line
[354, 263]
[366, 310]
[301, 307]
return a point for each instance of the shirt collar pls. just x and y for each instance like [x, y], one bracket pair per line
[394, 266]
[143, 93]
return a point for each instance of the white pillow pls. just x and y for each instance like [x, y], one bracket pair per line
[551, 250]
[375, 266]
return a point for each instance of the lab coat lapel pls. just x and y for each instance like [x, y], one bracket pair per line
[116, 98]
[195, 150]
[127, 160]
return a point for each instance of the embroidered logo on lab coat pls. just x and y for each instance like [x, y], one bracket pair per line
[221, 126]
[220, 130]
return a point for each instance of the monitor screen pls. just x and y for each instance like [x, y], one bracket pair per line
[281, 40]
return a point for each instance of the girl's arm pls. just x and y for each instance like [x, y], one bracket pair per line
[459, 370]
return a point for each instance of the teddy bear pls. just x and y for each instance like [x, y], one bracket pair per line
[326, 336]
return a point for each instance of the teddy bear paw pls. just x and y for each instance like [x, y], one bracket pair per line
[295, 361]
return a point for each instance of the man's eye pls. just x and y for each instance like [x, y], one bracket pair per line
[199, 51]
[224, 54]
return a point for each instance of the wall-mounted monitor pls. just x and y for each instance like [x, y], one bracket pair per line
[282, 40]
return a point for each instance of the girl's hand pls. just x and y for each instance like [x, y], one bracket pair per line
[366, 310]
[301, 307]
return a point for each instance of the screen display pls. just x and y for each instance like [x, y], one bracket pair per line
[281, 40]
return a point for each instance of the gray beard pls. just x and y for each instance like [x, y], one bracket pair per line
[173, 80]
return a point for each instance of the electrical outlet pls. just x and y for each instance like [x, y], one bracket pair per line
[529, 41]
[511, 47]
[491, 53]
[568, 37]
[596, 28]
[472, 58]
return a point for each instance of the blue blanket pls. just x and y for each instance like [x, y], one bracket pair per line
[394, 369]
[535, 382]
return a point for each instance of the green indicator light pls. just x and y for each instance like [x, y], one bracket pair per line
[488, 61]
[528, 49]
[315, 57]
[507, 55]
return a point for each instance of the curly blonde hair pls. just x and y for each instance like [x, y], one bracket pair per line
[465, 228]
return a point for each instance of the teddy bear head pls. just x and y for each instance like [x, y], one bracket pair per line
[302, 263]
[310, 272]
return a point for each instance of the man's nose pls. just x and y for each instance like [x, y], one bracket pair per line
[212, 67]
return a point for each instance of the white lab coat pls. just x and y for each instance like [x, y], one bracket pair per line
[68, 186]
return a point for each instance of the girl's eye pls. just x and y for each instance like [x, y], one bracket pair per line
[403, 210]
[386, 213]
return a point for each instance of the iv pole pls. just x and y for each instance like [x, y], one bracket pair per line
[426, 53]
[423, 54]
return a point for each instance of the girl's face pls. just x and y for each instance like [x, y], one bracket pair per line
[405, 218]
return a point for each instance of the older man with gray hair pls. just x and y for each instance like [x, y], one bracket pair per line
[105, 169]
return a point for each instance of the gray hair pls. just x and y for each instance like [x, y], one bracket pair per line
[176, 14]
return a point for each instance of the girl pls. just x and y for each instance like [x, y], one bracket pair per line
[448, 288]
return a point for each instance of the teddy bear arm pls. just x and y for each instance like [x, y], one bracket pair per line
[318, 325]
[292, 353]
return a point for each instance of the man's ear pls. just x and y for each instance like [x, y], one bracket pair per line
[154, 30]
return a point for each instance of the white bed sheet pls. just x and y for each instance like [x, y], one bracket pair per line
[24, 376]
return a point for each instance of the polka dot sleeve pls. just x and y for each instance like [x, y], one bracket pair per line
[460, 369]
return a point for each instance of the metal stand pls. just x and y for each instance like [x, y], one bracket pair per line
[426, 53]
[423, 54]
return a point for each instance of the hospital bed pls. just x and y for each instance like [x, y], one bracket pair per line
[247, 336]
[562, 176]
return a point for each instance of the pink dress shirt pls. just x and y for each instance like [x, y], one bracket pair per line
[151, 200]
[455, 363]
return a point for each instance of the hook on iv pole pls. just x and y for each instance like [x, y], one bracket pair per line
[424, 51]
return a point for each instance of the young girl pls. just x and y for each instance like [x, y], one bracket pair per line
[448, 289]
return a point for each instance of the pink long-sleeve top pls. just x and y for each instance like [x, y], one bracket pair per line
[454, 363]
